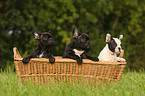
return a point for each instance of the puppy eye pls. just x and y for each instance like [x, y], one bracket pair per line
[114, 45]
[83, 40]
[45, 37]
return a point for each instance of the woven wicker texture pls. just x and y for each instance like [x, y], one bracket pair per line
[40, 70]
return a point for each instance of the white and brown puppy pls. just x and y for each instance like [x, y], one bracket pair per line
[112, 48]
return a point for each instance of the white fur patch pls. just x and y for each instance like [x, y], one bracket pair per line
[118, 42]
[40, 55]
[78, 52]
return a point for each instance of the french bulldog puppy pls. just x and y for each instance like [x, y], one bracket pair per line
[112, 48]
[76, 49]
[45, 42]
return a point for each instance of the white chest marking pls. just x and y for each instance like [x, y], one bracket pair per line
[78, 52]
[40, 55]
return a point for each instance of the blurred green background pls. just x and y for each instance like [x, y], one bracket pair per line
[19, 17]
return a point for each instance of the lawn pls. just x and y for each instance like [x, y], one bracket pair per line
[131, 84]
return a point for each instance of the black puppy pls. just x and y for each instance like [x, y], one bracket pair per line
[45, 41]
[77, 47]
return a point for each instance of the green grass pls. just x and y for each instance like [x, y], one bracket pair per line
[131, 84]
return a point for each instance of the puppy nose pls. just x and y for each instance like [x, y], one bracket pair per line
[51, 39]
[119, 48]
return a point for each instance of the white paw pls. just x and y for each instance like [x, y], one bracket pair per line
[121, 59]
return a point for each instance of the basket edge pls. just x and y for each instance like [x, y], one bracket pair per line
[16, 53]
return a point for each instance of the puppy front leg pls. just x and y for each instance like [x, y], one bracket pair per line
[86, 56]
[50, 56]
[75, 57]
[120, 59]
[27, 58]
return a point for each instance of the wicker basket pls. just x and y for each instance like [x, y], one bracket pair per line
[40, 70]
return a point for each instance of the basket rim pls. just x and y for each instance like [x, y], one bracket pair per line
[59, 59]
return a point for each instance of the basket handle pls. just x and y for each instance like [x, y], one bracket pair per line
[16, 53]
[121, 54]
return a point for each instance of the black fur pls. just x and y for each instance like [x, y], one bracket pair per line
[112, 45]
[45, 42]
[81, 41]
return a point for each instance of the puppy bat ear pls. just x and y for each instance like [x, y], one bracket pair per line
[88, 32]
[120, 37]
[108, 38]
[49, 32]
[75, 33]
[36, 35]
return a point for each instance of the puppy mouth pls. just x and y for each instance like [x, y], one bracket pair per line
[51, 44]
[117, 52]
[86, 48]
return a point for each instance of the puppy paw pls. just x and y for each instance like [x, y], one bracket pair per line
[95, 59]
[52, 60]
[26, 59]
[79, 61]
[121, 59]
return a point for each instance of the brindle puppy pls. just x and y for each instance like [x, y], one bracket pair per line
[42, 50]
[77, 47]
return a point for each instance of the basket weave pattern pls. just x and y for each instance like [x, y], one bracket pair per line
[40, 70]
